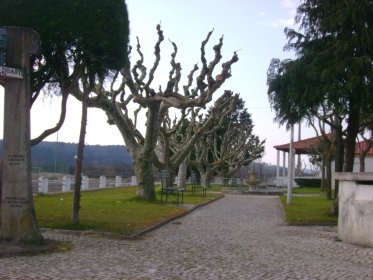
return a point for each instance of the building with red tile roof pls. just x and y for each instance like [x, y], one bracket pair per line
[302, 146]
[305, 146]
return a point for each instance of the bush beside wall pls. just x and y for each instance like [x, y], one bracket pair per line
[308, 182]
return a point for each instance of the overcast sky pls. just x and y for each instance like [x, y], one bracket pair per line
[254, 28]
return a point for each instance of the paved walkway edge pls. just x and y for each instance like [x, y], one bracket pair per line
[147, 230]
[129, 236]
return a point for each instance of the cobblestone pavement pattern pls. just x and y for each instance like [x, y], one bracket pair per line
[237, 237]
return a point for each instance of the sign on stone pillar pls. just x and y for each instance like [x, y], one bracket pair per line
[18, 220]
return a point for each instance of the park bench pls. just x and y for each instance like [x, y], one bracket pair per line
[168, 190]
[196, 186]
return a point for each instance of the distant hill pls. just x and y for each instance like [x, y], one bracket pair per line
[108, 160]
[60, 157]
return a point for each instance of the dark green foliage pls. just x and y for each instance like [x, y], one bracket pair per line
[308, 182]
[91, 33]
[338, 45]
[334, 50]
[290, 88]
[333, 71]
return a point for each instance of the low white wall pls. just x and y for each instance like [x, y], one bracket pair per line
[355, 221]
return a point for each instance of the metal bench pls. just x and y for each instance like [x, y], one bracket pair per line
[196, 186]
[168, 190]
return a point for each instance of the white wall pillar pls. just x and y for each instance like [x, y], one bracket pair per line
[85, 183]
[118, 181]
[43, 185]
[66, 183]
[102, 182]
[278, 166]
[133, 181]
[291, 167]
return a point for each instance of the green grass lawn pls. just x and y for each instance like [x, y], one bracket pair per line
[308, 210]
[111, 210]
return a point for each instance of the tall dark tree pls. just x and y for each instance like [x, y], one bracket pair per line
[334, 48]
[81, 41]
[79, 37]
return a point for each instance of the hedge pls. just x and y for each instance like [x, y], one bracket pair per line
[308, 182]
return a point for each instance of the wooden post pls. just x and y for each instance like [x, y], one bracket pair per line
[18, 220]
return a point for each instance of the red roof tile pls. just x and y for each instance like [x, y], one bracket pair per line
[363, 145]
[304, 146]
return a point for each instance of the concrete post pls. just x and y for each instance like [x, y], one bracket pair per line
[102, 182]
[118, 181]
[66, 183]
[85, 183]
[43, 185]
[278, 169]
[291, 167]
[18, 214]
[133, 181]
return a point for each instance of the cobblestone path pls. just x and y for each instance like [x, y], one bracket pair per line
[237, 237]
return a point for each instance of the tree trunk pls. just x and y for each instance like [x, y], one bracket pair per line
[207, 179]
[352, 132]
[182, 174]
[362, 161]
[204, 179]
[328, 180]
[202, 173]
[323, 175]
[75, 219]
[339, 155]
[145, 156]
[145, 180]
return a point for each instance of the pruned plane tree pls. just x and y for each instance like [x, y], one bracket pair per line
[134, 85]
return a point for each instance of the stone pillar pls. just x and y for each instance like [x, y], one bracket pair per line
[133, 181]
[102, 182]
[43, 185]
[278, 168]
[118, 181]
[66, 183]
[18, 215]
[85, 183]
